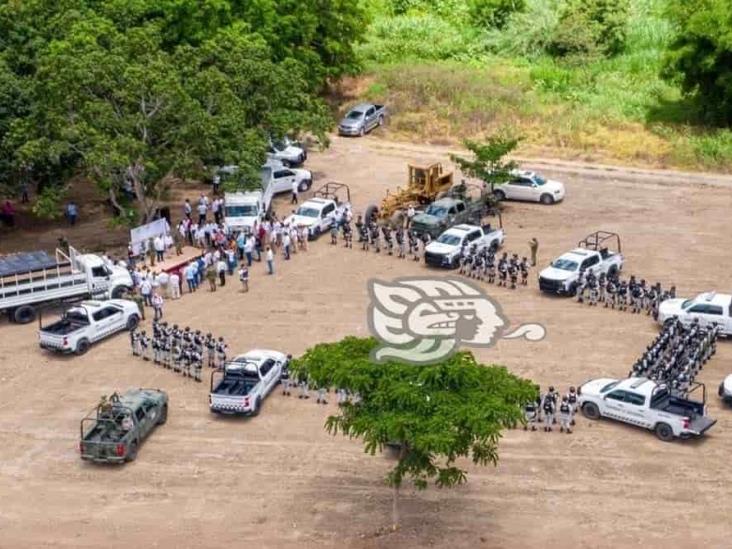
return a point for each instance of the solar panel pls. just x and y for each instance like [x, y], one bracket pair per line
[24, 262]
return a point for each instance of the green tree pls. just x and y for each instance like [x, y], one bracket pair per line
[489, 162]
[494, 13]
[591, 27]
[434, 415]
[700, 56]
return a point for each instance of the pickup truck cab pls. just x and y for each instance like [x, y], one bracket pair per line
[87, 323]
[316, 214]
[531, 187]
[115, 429]
[642, 402]
[446, 250]
[284, 177]
[289, 152]
[562, 275]
[361, 119]
[445, 213]
[708, 308]
[245, 382]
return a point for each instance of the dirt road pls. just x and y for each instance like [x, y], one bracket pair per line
[280, 481]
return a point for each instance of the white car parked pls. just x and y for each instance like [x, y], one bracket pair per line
[708, 308]
[286, 151]
[284, 177]
[316, 214]
[88, 323]
[531, 187]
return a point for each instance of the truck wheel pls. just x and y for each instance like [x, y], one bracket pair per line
[132, 322]
[163, 415]
[257, 407]
[24, 314]
[499, 195]
[664, 432]
[362, 131]
[119, 292]
[572, 290]
[612, 271]
[381, 120]
[591, 411]
[132, 452]
[304, 185]
[546, 199]
[82, 347]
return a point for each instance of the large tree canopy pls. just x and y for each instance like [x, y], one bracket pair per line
[433, 414]
[137, 93]
[701, 54]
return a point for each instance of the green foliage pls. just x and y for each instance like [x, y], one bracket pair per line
[435, 414]
[145, 92]
[591, 27]
[494, 13]
[48, 204]
[700, 56]
[489, 162]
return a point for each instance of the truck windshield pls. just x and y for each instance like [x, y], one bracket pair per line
[307, 212]
[539, 180]
[354, 115]
[449, 239]
[437, 211]
[246, 210]
[565, 265]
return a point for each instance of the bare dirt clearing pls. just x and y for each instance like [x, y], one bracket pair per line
[280, 481]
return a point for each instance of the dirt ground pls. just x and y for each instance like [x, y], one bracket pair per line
[279, 480]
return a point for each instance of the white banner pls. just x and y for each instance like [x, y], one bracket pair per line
[143, 233]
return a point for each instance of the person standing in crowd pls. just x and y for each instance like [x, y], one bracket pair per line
[191, 272]
[244, 277]
[221, 270]
[230, 261]
[157, 303]
[174, 285]
[211, 277]
[241, 240]
[202, 208]
[146, 291]
[534, 247]
[72, 212]
[164, 282]
[410, 214]
[187, 209]
[159, 245]
[216, 183]
[270, 260]
[286, 242]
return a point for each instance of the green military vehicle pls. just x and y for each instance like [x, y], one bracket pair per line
[113, 431]
[447, 212]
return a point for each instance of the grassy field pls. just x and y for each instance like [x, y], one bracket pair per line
[443, 80]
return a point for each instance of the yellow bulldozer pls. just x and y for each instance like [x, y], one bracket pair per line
[424, 185]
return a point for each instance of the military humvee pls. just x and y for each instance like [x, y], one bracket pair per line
[113, 431]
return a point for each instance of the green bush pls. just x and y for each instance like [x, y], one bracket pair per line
[493, 13]
[591, 27]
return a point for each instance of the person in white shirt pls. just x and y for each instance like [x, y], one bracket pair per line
[294, 193]
[269, 256]
[410, 214]
[202, 208]
[157, 303]
[221, 270]
[174, 285]
[164, 281]
[286, 241]
[159, 245]
[146, 291]
[249, 244]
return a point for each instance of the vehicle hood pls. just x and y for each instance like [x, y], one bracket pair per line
[440, 248]
[351, 122]
[593, 386]
[554, 186]
[671, 306]
[301, 220]
[426, 219]
[551, 273]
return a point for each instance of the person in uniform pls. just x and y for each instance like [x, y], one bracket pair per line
[210, 344]
[221, 348]
[144, 344]
[513, 273]
[304, 385]
[548, 407]
[334, 234]
[134, 342]
[524, 266]
[503, 270]
[572, 399]
[322, 390]
[285, 377]
[400, 243]
[531, 415]
[197, 359]
[186, 360]
[565, 416]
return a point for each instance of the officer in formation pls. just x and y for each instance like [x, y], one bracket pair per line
[179, 350]
[565, 416]
[677, 355]
[481, 264]
[615, 293]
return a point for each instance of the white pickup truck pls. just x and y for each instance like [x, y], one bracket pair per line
[708, 308]
[446, 249]
[316, 214]
[87, 323]
[562, 275]
[245, 382]
[641, 402]
[29, 280]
